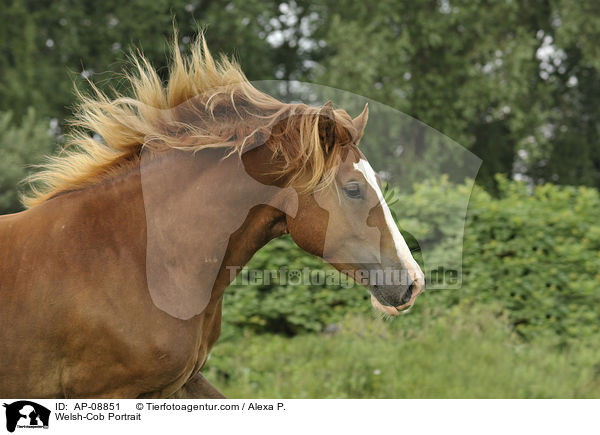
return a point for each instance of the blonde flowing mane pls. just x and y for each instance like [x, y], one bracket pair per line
[205, 103]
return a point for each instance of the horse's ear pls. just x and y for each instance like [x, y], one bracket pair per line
[360, 122]
[327, 126]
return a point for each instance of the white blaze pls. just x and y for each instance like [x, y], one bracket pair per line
[402, 250]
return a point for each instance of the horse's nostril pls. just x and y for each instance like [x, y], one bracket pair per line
[394, 296]
[407, 295]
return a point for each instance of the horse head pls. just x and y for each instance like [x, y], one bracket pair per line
[345, 219]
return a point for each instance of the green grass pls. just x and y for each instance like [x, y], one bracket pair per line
[464, 353]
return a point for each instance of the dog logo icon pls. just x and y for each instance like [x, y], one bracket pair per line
[26, 414]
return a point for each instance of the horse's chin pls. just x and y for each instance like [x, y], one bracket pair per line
[391, 311]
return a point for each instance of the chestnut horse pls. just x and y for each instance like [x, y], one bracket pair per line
[81, 312]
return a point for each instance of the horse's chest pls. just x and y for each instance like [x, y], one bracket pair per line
[187, 359]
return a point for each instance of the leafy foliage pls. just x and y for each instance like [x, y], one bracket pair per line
[21, 145]
[538, 253]
[289, 305]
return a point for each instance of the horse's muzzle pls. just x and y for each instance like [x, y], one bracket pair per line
[395, 299]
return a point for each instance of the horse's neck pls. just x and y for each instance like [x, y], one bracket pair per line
[206, 216]
[190, 225]
[110, 210]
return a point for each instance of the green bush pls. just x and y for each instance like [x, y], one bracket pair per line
[537, 252]
[20, 146]
[534, 251]
[286, 306]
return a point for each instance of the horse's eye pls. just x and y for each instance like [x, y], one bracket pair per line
[352, 190]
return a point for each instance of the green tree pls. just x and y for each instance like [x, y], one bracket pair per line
[21, 145]
[566, 149]
[517, 83]
[497, 77]
[47, 46]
